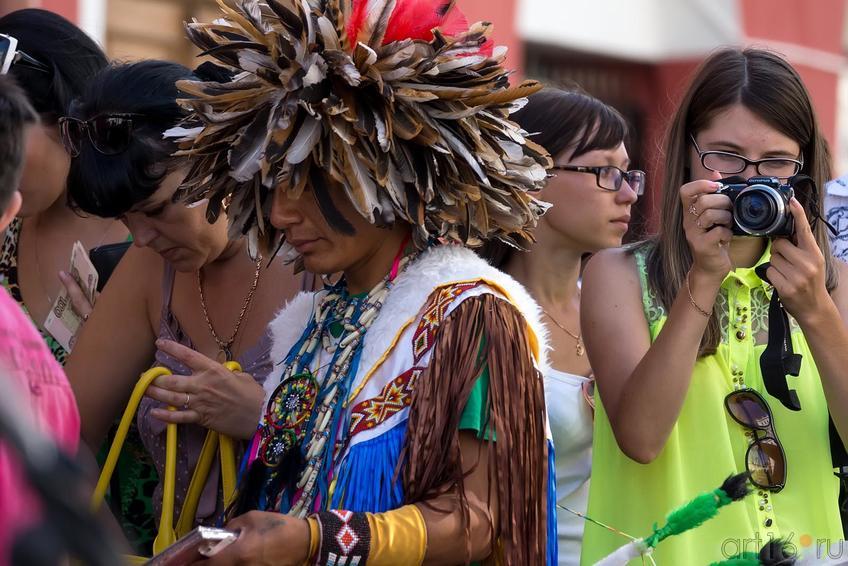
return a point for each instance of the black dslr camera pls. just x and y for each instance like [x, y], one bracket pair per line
[760, 207]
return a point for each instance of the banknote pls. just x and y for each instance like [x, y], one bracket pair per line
[63, 322]
[83, 271]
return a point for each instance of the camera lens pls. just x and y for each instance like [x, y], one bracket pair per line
[755, 211]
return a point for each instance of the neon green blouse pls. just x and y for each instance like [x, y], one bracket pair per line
[706, 445]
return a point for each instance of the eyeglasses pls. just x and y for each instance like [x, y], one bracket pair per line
[609, 177]
[108, 133]
[765, 459]
[11, 55]
[729, 163]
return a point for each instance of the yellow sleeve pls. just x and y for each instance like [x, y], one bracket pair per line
[314, 535]
[397, 537]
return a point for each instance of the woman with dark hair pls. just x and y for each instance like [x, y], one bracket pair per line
[60, 60]
[591, 192]
[691, 395]
[184, 283]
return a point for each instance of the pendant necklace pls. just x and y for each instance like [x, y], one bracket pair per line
[225, 346]
[579, 348]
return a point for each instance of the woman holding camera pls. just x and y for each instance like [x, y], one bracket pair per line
[684, 403]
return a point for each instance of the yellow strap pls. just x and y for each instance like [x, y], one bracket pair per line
[228, 470]
[228, 456]
[121, 435]
[198, 481]
[167, 534]
[213, 442]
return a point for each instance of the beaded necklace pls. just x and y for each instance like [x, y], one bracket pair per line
[304, 413]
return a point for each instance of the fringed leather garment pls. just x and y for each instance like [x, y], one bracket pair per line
[449, 319]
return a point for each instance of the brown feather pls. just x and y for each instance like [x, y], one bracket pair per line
[413, 130]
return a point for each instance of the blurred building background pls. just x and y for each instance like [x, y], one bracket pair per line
[633, 54]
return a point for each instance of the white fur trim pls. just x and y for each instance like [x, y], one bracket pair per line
[286, 327]
[435, 267]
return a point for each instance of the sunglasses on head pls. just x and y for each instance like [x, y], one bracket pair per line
[109, 134]
[11, 55]
[765, 459]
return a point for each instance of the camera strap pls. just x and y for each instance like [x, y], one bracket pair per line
[806, 183]
[779, 359]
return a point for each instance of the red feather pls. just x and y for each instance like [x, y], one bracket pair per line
[357, 19]
[415, 19]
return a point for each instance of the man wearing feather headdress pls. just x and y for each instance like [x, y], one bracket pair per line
[371, 138]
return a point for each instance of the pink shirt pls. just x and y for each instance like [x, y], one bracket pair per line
[47, 397]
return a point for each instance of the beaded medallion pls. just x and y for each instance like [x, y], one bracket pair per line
[287, 412]
[305, 411]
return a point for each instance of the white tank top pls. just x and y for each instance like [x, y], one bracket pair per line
[570, 418]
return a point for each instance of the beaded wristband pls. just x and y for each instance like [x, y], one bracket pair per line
[345, 538]
[692, 299]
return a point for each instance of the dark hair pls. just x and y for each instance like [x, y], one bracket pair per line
[72, 57]
[563, 121]
[15, 114]
[110, 185]
[571, 120]
[767, 85]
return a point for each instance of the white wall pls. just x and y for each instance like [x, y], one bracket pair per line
[91, 17]
[638, 30]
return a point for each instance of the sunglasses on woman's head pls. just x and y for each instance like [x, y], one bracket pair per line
[11, 55]
[765, 459]
[109, 134]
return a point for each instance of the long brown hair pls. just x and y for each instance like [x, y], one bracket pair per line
[767, 85]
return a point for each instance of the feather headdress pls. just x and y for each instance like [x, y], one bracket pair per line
[398, 102]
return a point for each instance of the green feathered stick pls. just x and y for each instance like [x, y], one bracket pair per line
[682, 519]
[701, 509]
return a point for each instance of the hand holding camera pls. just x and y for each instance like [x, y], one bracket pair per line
[797, 270]
[707, 221]
[760, 207]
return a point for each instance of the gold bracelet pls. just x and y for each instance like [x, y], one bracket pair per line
[692, 299]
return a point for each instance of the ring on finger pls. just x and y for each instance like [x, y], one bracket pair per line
[692, 210]
[187, 400]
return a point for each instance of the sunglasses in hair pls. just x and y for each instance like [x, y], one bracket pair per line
[11, 55]
[109, 134]
[765, 459]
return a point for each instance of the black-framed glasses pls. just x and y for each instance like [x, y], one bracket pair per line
[108, 133]
[765, 459]
[610, 177]
[11, 55]
[731, 163]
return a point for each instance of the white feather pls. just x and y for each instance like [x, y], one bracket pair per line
[307, 137]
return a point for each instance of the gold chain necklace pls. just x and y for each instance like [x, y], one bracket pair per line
[579, 348]
[224, 352]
